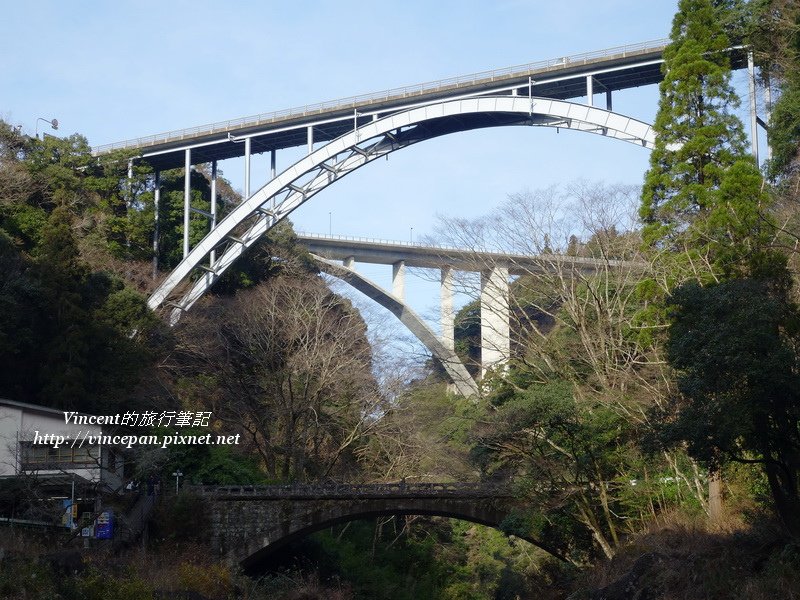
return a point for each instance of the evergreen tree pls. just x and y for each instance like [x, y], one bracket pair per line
[62, 276]
[698, 138]
[735, 345]
[704, 210]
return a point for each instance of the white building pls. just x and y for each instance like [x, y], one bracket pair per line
[24, 449]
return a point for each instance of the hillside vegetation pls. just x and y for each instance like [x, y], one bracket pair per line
[647, 420]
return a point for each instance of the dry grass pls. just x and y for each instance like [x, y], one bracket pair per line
[684, 558]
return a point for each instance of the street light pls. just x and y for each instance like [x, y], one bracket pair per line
[177, 475]
[411, 236]
[52, 122]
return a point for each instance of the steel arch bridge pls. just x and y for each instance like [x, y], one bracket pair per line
[259, 213]
[356, 131]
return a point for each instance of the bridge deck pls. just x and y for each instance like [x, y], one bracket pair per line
[562, 78]
[384, 252]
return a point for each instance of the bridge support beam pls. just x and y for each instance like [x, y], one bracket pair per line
[767, 114]
[187, 199]
[156, 205]
[399, 280]
[495, 332]
[247, 147]
[213, 255]
[463, 382]
[751, 80]
[448, 317]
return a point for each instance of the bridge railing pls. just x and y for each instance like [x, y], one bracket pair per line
[365, 490]
[400, 92]
[482, 253]
[369, 240]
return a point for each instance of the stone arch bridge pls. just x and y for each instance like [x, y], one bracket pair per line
[248, 523]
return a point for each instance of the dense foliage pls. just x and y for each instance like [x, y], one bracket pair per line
[653, 376]
[73, 335]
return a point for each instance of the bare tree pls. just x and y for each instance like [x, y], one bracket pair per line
[575, 305]
[288, 363]
[574, 258]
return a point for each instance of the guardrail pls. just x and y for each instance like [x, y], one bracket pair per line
[345, 491]
[400, 92]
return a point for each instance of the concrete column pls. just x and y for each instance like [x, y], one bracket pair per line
[751, 80]
[399, 280]
[589, 90]
[608, 100]
[273, 171]
[767, 115]
[448, 316]
[349, 262]
[128, 200]
[247, 168]
[156, 232]
[187, 199]
[310, 138]
[213, 256]
[495, 332]
[129, 190]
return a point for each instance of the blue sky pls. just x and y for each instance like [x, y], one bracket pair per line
[123, 69]
[120, 70]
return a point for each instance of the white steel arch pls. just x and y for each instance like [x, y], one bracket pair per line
[277, 199]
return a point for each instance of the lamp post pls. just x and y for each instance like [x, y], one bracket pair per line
[52, 122]
[177, 475]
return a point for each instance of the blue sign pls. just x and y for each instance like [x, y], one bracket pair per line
[67, 519]
[104, 528]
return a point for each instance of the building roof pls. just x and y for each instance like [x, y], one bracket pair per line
[36, 408]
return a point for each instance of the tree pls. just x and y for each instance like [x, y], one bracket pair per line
[71, 335]
[735, 346]
[564, 420]
[777, 46]
[776, 38]
[698, 138]
[288, 364]
[703, 199]
[573, 462]
[571, 316]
